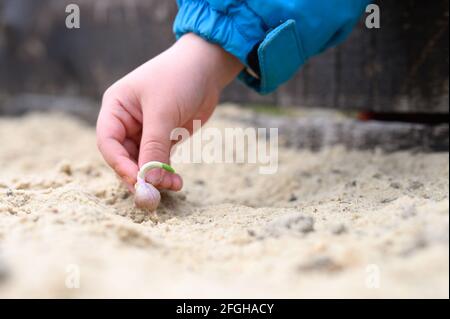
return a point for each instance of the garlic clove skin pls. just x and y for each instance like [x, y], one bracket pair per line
[147, 197]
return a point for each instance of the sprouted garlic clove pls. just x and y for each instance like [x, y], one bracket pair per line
[147, 197]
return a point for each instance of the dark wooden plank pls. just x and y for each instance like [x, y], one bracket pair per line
[402, 67]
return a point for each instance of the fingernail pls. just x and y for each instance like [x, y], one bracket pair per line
[177, 183]
[130, 188]
[128, 180]
[154, 177]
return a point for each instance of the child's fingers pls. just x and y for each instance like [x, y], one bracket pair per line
[111, 136]
[171, 181]
[132, 149]
[155, 146]
[117, 157]
[155, 142]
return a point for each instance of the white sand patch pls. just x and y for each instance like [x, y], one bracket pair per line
[324, 226]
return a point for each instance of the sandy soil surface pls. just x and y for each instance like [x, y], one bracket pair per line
[329, 224]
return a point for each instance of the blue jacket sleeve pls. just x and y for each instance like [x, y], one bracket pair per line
[285, 33]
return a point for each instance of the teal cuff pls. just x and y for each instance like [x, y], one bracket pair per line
[280, 55]
[238, 30]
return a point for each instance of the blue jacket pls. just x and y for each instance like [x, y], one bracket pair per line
[285, 33]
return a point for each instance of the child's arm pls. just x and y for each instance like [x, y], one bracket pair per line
[264, 41]
[274, 38]
[140, 110]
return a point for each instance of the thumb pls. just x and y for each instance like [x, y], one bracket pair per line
[156, 146]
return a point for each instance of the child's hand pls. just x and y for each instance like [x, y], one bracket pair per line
[140, 111]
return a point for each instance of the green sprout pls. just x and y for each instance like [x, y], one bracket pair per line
[152, 165]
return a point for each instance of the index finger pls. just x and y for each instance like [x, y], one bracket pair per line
[111, 136]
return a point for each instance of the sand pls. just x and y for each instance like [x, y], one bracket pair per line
[333, 223]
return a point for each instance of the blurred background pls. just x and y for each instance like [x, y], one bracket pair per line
[314, 229]
[400, 68]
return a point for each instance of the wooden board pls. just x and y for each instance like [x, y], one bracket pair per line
[402, 67]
